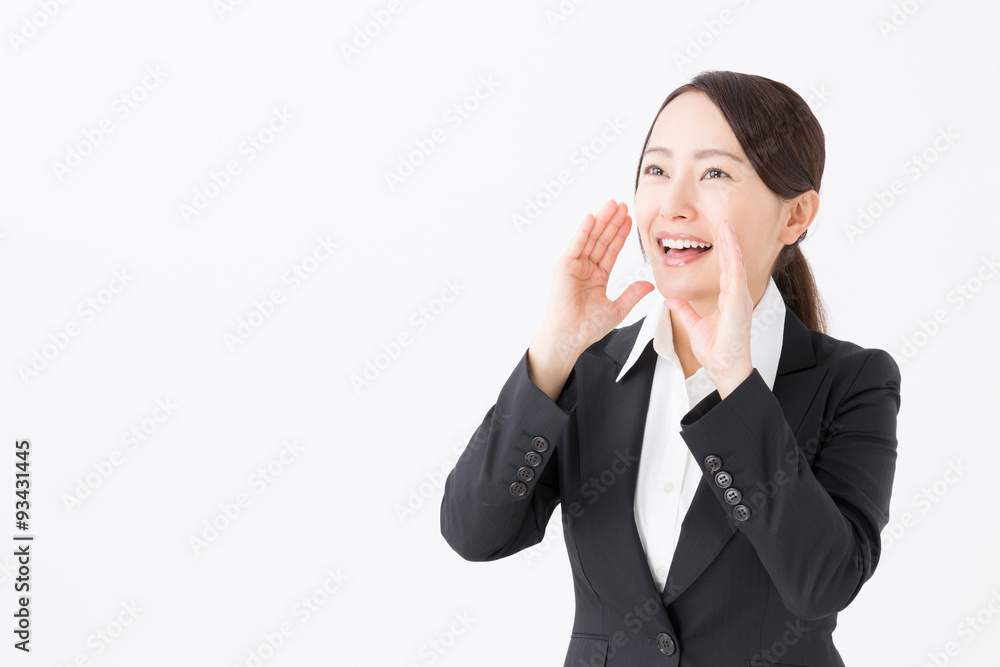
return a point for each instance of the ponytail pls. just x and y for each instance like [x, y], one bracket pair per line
[795, 281]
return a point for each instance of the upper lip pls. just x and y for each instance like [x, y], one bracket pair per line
[677, 236]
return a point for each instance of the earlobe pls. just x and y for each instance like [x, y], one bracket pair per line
[801, 215]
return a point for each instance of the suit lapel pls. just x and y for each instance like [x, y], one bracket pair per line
[706, 527]
[612, 513]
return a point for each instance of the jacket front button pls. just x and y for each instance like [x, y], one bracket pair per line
[666, 643]
[518, 488]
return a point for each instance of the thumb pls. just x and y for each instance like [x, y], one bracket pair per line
[687, 315]
[632, 295]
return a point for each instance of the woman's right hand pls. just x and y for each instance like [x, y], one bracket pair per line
[579, 312]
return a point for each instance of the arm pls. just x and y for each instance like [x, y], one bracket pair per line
[816, 530]
[481, 517]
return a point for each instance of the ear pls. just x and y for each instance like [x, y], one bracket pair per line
[799, 212]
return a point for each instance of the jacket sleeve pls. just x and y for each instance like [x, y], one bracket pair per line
[815, 529]
[505, 485]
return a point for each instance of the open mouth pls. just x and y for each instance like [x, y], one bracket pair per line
[683, 249]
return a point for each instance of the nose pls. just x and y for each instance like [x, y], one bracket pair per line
[676, 201]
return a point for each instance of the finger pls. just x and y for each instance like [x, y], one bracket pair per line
[723, 262]
[687, 315]
[608, 261]
[737, 279]
[632, 295]
[580, 238]
[608, 233]
[600, 222]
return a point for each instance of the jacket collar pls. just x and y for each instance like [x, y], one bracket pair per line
[765, 339]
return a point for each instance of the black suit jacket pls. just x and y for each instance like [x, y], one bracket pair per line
[813, 461]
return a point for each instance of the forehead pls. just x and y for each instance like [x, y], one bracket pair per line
[692, 121]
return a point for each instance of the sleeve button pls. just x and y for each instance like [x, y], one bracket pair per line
[540, 444]
[518, 489]
[526, 474]
[533, 459]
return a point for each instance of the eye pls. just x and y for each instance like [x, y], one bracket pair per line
[659, 172]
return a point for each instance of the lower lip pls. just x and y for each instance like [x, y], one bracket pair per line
[681, 261]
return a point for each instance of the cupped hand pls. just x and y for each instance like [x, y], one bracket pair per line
[721, 341]
[579, 312]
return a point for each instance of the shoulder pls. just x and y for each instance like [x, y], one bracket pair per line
[854, 362]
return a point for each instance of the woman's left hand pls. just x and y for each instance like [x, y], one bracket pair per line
[721, 341]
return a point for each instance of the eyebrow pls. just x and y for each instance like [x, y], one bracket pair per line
[699, 154]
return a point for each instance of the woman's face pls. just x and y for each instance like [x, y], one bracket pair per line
[693, 176]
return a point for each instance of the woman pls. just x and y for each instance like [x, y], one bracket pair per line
[724, 466]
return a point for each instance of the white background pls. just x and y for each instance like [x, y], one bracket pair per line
[332, 514]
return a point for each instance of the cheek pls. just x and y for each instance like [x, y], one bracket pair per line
[644, 204]
[754, 255]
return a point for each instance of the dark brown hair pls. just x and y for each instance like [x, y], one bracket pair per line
[786, 148]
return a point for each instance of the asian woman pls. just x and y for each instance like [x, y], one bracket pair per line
[724, 466]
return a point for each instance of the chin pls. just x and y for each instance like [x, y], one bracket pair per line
[687, 287]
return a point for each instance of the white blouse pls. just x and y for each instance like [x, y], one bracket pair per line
[668, 474]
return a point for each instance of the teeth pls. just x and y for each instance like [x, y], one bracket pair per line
[672, 243]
